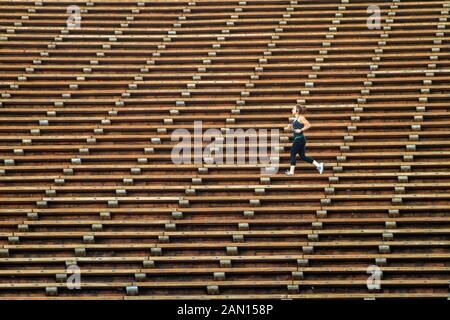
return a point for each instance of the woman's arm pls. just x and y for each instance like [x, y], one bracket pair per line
[306, 124]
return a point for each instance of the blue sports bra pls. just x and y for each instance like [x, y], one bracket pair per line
[297, 125]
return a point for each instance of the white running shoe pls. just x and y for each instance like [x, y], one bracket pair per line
[320, 168]
[288, 173]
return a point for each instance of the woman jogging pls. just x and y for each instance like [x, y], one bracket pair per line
[300, 125]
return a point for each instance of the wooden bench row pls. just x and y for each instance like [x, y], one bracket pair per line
[317, 223]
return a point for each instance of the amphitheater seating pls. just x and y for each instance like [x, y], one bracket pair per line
[86, 177]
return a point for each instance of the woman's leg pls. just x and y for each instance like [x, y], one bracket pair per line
[294, 150]
[302, 151]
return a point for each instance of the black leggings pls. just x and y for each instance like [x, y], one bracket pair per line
[299, 147]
